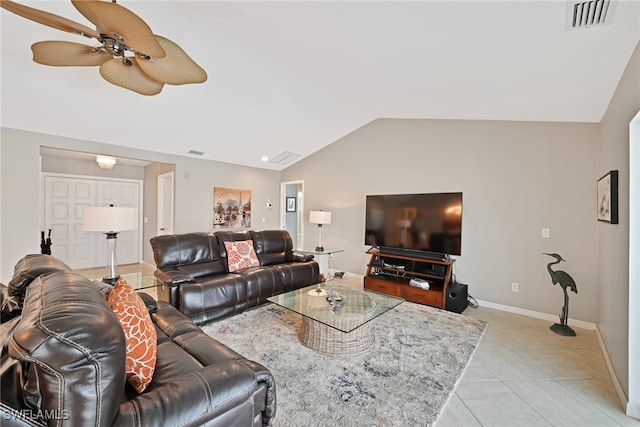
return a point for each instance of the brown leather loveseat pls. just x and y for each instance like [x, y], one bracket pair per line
[63, 362]
[198, 277]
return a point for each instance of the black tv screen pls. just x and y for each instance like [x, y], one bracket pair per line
[430, 222]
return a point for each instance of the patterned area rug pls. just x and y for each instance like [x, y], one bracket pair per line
[406, 378]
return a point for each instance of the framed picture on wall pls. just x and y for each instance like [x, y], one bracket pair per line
[608, 198]
[291, 204]
[231, 208]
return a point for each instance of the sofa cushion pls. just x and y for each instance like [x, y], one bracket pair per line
[273, 246]
[212, 297]
[139, 331]
[69, 368]
[30, 267]
[241, 255]
[230, 236]
[188, 249]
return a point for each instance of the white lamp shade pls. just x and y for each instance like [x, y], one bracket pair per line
[108, 219]
[319, 217]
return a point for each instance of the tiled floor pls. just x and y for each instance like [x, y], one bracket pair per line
[522, 375]
[525, 375]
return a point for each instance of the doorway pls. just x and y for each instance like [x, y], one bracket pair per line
[165, 204]
[292, 211]
[64, 198]
[633, 406]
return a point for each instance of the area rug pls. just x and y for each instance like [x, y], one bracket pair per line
[405, 379]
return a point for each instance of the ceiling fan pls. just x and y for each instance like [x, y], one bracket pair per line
[129, 54]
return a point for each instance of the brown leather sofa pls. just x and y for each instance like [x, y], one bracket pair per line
[194, 271]
[63, 362]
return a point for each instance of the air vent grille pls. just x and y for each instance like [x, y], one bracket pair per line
[589, 13]
[285, 158]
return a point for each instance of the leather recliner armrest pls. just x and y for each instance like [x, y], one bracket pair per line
[299, 257]
[173, 277]
[190, 397]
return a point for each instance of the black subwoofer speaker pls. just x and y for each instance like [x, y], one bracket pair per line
[457, 294]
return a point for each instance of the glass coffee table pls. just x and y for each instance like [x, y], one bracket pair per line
[338, 328]
[138, 281]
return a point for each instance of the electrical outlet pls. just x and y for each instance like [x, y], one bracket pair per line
[514, 287]
[546, 233]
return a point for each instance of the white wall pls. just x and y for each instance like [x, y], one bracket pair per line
[613, 240]
[516, 178]
[195, 179]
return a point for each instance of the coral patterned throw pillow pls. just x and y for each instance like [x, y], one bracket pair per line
[241, 255]
[139, 331]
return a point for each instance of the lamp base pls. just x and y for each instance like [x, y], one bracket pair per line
[319, 249]
[110, 280]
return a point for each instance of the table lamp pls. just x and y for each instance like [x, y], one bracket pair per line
[110, 221]
[321, 218]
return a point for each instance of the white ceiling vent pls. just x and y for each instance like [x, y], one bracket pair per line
[589, 13]
[285, 158]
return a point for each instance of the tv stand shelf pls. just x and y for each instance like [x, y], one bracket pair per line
[391, 273]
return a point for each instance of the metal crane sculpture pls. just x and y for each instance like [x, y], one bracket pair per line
[565, 281]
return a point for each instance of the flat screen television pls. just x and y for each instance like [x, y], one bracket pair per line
[430, 222]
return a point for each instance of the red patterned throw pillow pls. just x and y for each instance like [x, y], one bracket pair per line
[139, 332]
[241, 255]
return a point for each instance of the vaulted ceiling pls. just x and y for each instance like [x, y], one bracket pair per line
[296, 76]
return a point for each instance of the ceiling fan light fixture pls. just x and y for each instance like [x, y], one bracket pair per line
[106, 162]
[130, 55]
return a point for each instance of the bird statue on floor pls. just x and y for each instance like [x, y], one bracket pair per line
[565, 281]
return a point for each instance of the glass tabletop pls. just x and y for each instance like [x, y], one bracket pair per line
[315, 252]
[138, 281]
[356, 308]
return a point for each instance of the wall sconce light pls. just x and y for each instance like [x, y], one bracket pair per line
[106, 162]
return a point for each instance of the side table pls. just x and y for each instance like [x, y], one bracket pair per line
[322, 257]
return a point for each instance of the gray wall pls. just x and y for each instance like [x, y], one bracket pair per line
[613, 240]
[195, 178]
[516, 178]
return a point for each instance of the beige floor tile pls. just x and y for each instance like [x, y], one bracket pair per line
[477, 372]
[558, 406]
[456, 414]
[568, 364]
[494, 404]
[508, 365]
[601, 395]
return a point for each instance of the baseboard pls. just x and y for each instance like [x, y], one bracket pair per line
[631, 409]
[537, 315]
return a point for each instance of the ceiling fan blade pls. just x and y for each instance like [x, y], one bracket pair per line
[59, 53]
[49, 19]
[124, 72]
[176, 68]
[113, 19]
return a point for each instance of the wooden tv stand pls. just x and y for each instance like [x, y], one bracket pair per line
[390, 274]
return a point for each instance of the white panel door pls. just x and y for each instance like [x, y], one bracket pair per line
[64, 200]
[165, 204]
[127, 195]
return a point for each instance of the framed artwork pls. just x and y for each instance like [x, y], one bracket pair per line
[608, 198]
[231, 208]
[291, 204]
